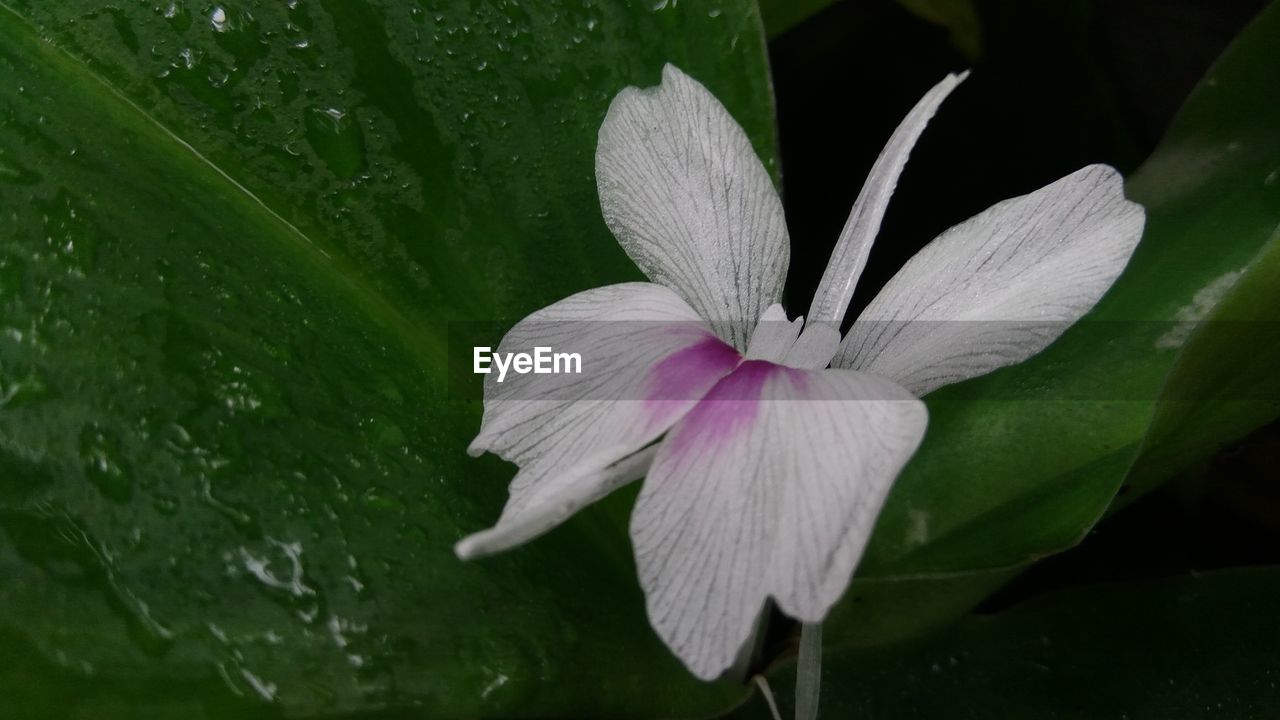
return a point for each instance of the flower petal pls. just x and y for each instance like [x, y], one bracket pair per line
[999, 287]
[769, 487]
[835, 290]
[683, 191]
[815, 347]
[564, 494]
[774, 335]
[646, 360]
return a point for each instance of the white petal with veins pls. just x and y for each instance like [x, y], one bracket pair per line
[682, 189]
[835, 290]
[768, 488]
[577, 487]
[999, 287]
[646, 359]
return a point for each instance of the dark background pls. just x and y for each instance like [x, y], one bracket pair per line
[1099, 82]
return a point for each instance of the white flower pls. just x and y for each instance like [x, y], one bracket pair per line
[764, 472]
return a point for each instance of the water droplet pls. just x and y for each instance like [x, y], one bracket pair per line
[336, 138]
[242, 675]
[380, 431]
[289, 579]
[218, 18]
[19, 391]
[165, 504]
[498, 681]
[100, 453]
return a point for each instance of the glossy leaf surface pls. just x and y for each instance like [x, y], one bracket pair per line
[234, 235]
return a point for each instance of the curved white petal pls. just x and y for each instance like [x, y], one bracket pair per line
[574, 488]
[646, 360]
[998, 288]
[683, 191]
[769, 487]
[835, 290]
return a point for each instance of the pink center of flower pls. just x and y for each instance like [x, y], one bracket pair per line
[685, 376]
[730, 406]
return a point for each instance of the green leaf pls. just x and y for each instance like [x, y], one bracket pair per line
[957, 16]
[781, 15]
[1209, 401]
[1021, 463]
[235, 238]
[1194, 647]
[1223, 384]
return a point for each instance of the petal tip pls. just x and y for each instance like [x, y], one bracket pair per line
[479, 446]
[470, 547]
[1109, 172]
[462, 549]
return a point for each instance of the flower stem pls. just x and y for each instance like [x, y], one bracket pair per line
[809, 671]
[763, 683]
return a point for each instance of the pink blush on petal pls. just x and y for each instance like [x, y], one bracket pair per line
[730, 407]
[685, 376]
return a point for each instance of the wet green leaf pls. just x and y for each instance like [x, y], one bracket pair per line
[235, 235]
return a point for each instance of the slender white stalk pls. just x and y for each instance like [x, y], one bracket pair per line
[850, 255]
[809, 671]
[767, 693]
